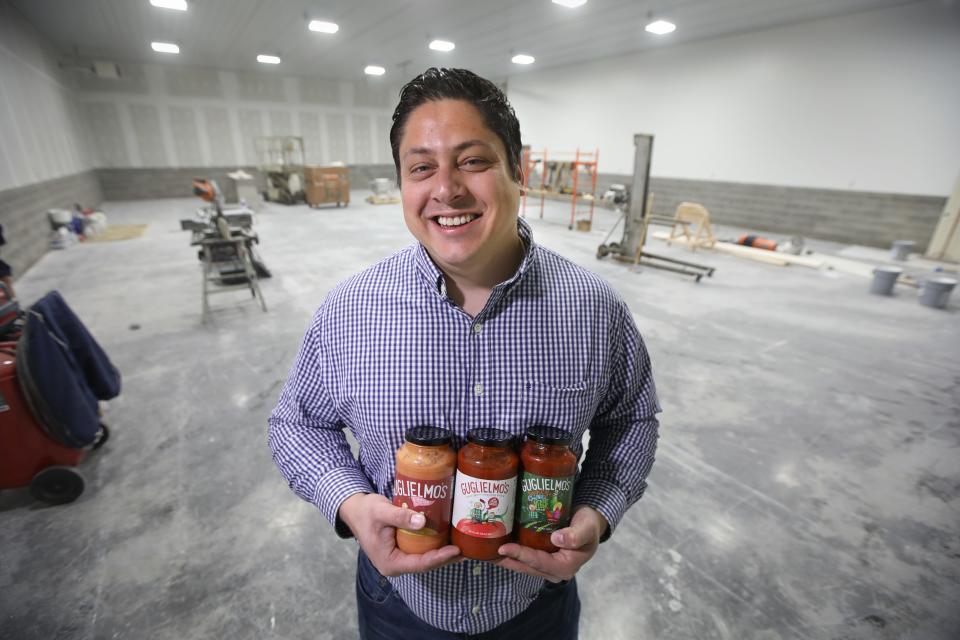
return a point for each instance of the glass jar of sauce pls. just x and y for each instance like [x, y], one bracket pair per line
[426, 464]
[484, 493]
[546, 485]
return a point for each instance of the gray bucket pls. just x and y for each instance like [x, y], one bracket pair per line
[935, 292]
[883, 280]
[901, 249]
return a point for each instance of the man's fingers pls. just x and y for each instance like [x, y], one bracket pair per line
[400, 562]
[519, 567]
[533, 558]
[561, 565]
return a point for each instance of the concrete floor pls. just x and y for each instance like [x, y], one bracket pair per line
[806, 484]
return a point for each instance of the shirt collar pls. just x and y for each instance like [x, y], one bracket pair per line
[432, 275]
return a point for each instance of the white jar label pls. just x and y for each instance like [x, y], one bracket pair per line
[483, 508]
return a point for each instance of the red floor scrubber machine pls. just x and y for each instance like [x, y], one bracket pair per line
[52, 376]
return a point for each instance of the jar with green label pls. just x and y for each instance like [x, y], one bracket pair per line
[546, 485]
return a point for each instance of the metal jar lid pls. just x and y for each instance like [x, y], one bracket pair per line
[427, 436]
[490, 437]
[549, 435]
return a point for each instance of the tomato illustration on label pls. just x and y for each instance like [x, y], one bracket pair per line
[491, 529]
[484, 521]
[483, 508]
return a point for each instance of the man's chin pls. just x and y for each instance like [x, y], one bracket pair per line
[451, 262]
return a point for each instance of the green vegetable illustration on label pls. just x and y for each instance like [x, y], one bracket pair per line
[545, 502]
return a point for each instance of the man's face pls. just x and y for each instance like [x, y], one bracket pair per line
[459, 198]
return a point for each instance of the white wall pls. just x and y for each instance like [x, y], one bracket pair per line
[41, 131]
[168, 115]
[867, 102]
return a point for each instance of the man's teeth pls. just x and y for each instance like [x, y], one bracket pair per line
[455, 222]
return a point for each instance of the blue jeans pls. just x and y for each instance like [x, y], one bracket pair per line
[382, 615]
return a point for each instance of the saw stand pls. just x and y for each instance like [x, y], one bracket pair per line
[637, 216]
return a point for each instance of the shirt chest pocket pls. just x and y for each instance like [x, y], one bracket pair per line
[569, 407]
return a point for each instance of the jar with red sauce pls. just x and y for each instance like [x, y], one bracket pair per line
[426, 464]
[484, 493]
[546, 486]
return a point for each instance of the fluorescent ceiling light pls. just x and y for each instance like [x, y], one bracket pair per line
[179, 5]
[441, 45]
[322, 26]
[660, 27]
[522, 58]
[165, 47]
[374, 70]
[265, 59]
[570, 4]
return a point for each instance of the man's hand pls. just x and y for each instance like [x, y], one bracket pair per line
[577, 544]
[374, 521]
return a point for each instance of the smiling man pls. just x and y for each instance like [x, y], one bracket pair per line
[460, 192]
[474, 325]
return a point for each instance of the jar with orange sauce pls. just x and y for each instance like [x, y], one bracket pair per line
[426, 464]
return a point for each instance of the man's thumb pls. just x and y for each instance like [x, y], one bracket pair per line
[404, 518]
[566, 538]
[417, 520]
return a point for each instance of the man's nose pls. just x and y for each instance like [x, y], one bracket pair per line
[448, 185]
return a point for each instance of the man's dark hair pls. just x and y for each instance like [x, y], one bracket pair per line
[459, 84]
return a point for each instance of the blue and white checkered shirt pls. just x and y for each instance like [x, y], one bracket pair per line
[388, 350]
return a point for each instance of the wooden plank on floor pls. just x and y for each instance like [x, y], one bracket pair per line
[758, 255]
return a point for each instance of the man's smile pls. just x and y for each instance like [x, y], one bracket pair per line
[455, 221]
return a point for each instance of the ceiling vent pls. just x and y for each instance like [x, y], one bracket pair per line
[106, 70]
[99, 68]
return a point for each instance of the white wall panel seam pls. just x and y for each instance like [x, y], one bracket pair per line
[129, 136]
[33, 67]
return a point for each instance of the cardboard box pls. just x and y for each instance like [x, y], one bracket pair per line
[326, 185]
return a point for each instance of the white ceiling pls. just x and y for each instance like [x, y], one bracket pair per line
[228, 34]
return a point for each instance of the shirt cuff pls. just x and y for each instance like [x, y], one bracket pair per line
[336, 486]
[605, 497]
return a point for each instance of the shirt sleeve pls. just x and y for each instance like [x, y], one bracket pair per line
[306, 437]
[624, 432]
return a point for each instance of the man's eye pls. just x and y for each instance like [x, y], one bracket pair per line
[475, 163]
[418, 168]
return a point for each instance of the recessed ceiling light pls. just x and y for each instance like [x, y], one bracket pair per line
[265, 59]
[441, 45]
[179, 5]
[570, 4]
[322, 26]
[660, 27]
[165, 47]
[374, 70]
[522, 58]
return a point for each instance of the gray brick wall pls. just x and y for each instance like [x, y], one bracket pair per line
[150, 183]
[23, 214]
[362, 174]
[854, 217]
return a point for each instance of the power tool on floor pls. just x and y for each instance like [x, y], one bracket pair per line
[214, 219]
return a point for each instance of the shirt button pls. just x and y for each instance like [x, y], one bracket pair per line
[477, 570]
[477, 328]
[478, 389]
[475, 610]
